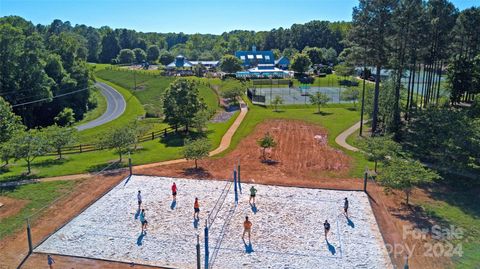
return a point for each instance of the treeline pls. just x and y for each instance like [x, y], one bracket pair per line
[40, 63]
[421, 41]
[104, 44]
[418, 39]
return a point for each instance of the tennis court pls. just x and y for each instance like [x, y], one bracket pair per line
[296, 95]
[287, 227]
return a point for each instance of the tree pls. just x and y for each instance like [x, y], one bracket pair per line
[28, 145]
[315, 54]
[166, 57]
[181, 103]
[350, 94]
[371, 22]
[140, 55]
[199, 70]
[110, 47]
[301, 63]
[459, 78]
[60, 137]
[200, 120]
[330, 56]
[344, 70]
[404, 175]
[66, 117]
[233, 94]
[230, 64]
[266, 142]
[9, 122]
[380, 148]
[6, 152]
[278, 100]
[126, 56]
[196, 149]
[289, 52]
[319, 99]
[153, 53]
[121, 139]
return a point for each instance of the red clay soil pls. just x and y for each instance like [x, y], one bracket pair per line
[300, 160]
[10, 206]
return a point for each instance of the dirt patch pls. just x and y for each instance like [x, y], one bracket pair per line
[300, 156]
[10, 206]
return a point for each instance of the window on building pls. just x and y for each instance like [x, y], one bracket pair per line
[267, 57]
[250, 56]
[259, 56]
[242, 57]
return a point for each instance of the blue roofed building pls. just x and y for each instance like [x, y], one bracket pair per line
[282, 63]
[255, 57]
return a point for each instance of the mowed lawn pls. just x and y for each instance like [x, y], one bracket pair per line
[150, 87]
[155, 150]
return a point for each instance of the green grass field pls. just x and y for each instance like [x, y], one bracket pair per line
[151, 151]
[150, 88]
[36, 196]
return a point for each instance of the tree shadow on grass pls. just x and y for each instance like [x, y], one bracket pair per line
[178, 139]
[321, 113]
[4, 169]
[49, 162]
[106, 166]
[351, 108]
[417, 216]
[199, 172]
[22, 176]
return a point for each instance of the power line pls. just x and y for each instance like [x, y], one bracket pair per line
[45, 99]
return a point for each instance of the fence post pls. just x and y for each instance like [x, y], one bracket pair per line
[198, 252]
[365, 175]
[235, 186]
[29, 236]
[165, 132]
[238, 174]
[206, 244]
[80, 148]
[130, 164]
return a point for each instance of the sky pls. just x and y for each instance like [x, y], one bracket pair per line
[188, 16]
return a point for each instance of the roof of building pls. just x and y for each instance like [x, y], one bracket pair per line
[255, 57]
[283, 60]
[181, 61]
[205, 62]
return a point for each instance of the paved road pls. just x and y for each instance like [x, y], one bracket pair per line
[115, 107]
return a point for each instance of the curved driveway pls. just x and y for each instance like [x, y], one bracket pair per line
[115, 107]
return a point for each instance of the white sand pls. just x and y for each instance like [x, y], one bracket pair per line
[287, 229]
